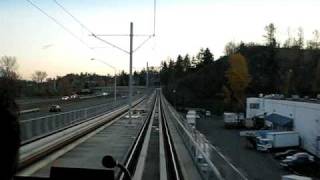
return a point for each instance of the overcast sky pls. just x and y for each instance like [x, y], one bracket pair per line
[182, 26]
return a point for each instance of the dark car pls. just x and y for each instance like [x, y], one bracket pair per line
[55, 108]
[297, 160]
[284, 154]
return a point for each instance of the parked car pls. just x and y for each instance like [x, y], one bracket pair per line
[208, 113]
[284, 154]
[55, 108]
[298, 159]
[65, 98]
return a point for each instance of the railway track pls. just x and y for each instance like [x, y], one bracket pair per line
[144, 145]
[154, 156]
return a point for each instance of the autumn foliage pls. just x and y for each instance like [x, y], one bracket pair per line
[238, 78]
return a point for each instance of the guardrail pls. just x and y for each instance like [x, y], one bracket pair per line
[36, 128]
[29, 110]
[194, 142]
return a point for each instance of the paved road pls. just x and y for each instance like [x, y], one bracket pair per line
[252, 164]
[70, 106]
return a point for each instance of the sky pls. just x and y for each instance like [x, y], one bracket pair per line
[182, 26]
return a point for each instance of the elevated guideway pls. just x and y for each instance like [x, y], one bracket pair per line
[154, 144]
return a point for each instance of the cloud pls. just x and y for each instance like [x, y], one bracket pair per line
[47, 46]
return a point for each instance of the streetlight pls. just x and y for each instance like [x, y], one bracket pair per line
[175, 98]
[115, 77]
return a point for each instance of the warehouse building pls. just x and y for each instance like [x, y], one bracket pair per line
[283, 114]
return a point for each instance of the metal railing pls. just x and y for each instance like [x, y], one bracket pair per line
[195, 142]
[35, 128]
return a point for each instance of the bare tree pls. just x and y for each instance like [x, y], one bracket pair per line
[230, 48]
[270, 35]
[39, 76]
[8, 67]
[315, 42]
[9, 86]
[299, 42]
[288, 43]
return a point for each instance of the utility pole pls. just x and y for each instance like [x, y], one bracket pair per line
[130, 72]
[147, 78]
[115, 86]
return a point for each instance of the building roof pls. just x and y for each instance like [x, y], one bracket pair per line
[279, 120]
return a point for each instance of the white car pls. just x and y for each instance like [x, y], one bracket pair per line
[65, 98]
[105, 94]
[74, 96]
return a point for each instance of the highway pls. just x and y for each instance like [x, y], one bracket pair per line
[68, 105]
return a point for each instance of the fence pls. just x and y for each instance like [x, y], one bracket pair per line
[196, 144]
[35, 128]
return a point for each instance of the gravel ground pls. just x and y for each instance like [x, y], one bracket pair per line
[252, 164]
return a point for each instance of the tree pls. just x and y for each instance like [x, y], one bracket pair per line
[39, 76]
[207, 57]
[164, 73]
[287, 84]
[315, 42]
[230, 48]
[194, 62]
[226, 95]
[238, 78]
[299, 42]
[204, 57]
[186, 63]
[179, 67]
[289, 42]
[270, 35]
[316, 81]
[8, 67]
[9, 86]
[65, 87]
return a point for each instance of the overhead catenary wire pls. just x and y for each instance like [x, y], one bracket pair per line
[149, 36]
[58, 23]
[73, 17]
[154, 17]
[62, 26]
[86, 28]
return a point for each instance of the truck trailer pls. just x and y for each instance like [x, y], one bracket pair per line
[281, 139]
[230, 119]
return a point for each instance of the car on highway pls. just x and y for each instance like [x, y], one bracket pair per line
[55, 108]
[284, 154]
[74, 96]
[105, 94]
[297, 160]
[65, 98]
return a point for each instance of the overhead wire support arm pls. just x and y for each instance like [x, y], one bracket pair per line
[137, 35]
[112, 45]
[144, 42]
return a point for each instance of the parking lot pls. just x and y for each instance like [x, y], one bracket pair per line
[248, 162]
